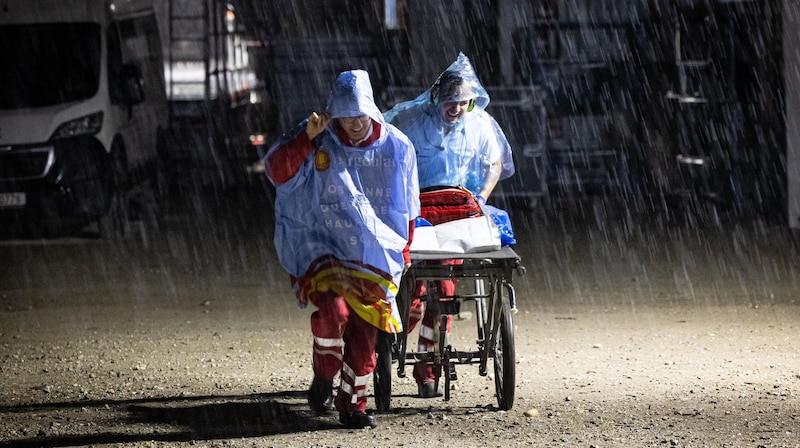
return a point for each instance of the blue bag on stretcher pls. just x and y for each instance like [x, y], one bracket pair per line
[503, 222]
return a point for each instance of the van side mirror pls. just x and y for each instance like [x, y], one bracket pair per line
[132, 84]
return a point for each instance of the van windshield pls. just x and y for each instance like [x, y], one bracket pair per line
[48, 64]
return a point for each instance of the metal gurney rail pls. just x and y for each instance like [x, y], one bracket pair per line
[495, 304]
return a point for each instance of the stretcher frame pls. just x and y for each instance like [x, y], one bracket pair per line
[495, 304]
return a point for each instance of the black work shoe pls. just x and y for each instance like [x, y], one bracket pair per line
[428, 390]
[320, 395]
[358, 420]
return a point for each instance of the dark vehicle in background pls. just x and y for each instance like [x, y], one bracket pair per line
[82, 102]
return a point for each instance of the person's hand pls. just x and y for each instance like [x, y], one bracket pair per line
[481, 199]
[317, 124]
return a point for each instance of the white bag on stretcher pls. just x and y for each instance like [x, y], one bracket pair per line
[461, 236]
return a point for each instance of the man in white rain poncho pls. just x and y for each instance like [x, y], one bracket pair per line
[346, 199]
[457, 144]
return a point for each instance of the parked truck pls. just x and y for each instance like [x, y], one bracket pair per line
[82, 106]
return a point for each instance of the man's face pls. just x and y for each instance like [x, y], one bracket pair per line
[451, 112]
[455, 103]
[356, 128]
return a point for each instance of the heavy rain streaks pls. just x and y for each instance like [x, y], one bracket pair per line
[650, 207]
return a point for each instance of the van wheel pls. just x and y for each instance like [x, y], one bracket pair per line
[160, 176]
[115, 224]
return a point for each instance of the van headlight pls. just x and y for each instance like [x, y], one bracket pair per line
[89, 124]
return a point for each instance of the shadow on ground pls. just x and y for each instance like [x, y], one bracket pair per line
[167, 420]
[178, 419]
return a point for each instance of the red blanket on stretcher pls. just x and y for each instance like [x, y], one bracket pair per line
[445, 204]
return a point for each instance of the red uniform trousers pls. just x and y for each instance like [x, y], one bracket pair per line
[419, 311]
[343, 342]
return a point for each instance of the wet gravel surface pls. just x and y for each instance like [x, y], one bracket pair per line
[632, 332]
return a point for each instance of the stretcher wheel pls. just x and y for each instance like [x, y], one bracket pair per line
[382, 376]
[505, 358]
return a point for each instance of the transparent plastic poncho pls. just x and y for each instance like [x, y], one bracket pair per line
[350, 203]
[460, 153]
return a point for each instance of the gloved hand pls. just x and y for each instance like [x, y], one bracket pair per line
[481, 199]
[317, 124]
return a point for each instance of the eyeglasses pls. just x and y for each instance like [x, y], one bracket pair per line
[351, 120]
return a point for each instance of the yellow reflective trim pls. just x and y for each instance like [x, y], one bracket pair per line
[320, 278]
[380, 318]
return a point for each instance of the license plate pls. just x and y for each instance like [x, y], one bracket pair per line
[13, 200]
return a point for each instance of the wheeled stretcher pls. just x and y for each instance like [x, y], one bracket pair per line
[495, 304]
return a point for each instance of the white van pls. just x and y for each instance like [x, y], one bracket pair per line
[83, 109]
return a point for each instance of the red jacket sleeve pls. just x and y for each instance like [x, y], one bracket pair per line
[407, 249]
[283, 163]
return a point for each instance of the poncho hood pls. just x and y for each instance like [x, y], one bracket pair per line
[351, 96]
[459, 82]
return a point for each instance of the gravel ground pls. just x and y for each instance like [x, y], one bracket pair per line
[631, 333]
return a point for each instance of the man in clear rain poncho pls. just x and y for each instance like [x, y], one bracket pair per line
[346, 199]
[457, 144]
